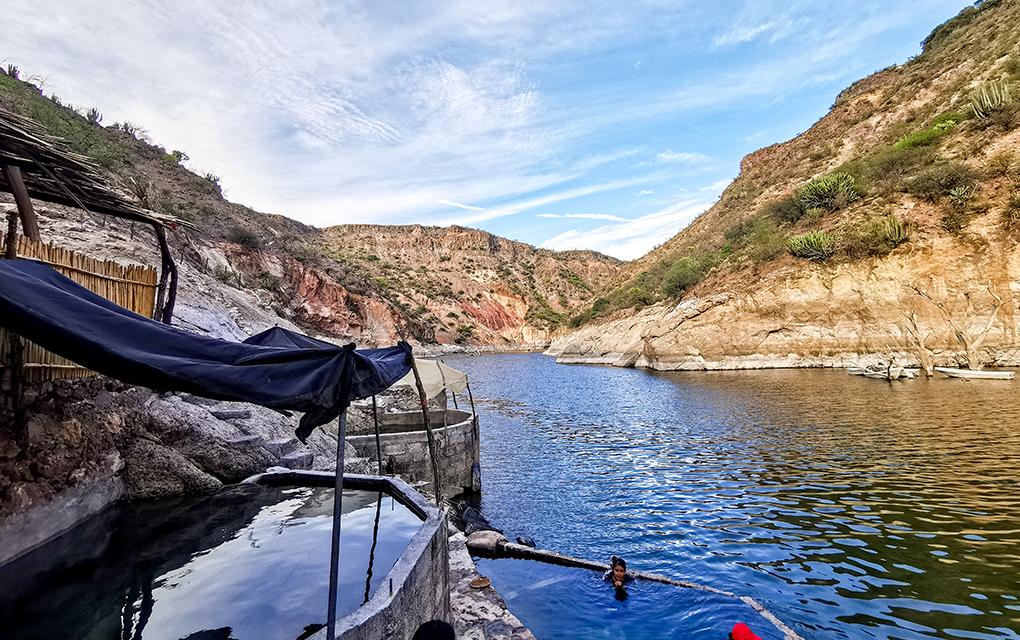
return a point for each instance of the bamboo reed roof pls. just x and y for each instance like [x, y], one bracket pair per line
[54, 173]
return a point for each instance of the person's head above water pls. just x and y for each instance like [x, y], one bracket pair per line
[618, 567]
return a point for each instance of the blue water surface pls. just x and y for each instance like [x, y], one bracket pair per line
[853, 508]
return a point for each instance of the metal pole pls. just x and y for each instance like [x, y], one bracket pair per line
[334, 556]
[378, 446]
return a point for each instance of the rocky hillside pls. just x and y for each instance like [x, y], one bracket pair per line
[471, 285]
[890, 220]
[369, 284]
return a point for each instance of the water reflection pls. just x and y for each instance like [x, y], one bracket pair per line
[247, 563]
[855, 508]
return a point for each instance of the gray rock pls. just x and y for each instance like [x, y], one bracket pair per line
[153, 470]
[298, 460]
[485, 541]
[231, 414]
[282, 446]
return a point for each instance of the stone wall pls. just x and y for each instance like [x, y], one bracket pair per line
[405, 451]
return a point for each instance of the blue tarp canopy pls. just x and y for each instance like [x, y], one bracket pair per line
[279, 369]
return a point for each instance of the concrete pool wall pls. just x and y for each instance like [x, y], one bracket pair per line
[416, 589]
[405, 451]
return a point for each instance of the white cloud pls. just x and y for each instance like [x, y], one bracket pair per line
[632, 238]
[451, 203]
[365, 112]
[549, 198]
[740, 33]
[584, 216]
[683, 157]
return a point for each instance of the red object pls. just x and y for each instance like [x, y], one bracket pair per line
[742, 632]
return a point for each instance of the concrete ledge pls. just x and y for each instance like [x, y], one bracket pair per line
[416, 589]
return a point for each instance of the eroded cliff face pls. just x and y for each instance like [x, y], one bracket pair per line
[470, 286]
[903, 134]
[828, 315]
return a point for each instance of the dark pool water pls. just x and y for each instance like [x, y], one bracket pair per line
[553, 595]
[249, 563]
[851, 507]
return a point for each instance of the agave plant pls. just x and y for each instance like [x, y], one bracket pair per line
[829, 192]
[961, 196]
[990, 97]
[895, 230]
[814, 245]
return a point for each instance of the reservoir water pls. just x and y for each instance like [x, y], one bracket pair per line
[247, 563]
[851, 507]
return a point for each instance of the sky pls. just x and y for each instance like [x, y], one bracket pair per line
[567, 125]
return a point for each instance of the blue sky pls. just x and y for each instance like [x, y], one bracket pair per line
[606, 126]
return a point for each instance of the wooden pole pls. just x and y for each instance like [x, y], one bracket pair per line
[378, 445]
[29, 222]
[11, 250]
[476, 463]
[334, 555]
[165, 313]
[428, 431]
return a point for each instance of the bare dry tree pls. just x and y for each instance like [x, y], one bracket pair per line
[916, 339]
[971, 338]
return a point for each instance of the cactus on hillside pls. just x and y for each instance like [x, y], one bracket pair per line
[814, 245]
[830, 192]
[990, 97]
[895, 230]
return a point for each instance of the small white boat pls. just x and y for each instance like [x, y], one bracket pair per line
[976, 373]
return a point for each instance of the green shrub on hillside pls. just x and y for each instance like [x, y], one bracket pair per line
[814, 245]
[936, 182]
[1000, 164]
[765, 243]
[637, 297]
[875, 237]
[689, 271]
[888, 168]
[1011, 214]
[683, 275]
[830, 193]
[245, 238]
[759, 237]
[738, 233]
[930, 134]
[785, 210]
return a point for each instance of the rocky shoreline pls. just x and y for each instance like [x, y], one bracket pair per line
[826, 316]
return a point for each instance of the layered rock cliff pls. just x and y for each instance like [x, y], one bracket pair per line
[924, 237]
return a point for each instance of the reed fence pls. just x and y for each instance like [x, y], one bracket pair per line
[130, 286]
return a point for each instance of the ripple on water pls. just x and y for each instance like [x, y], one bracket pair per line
[850, 506]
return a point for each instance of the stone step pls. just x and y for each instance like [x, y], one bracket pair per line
[298, 460]
[282, 446]
[245, 442]
[231, 414]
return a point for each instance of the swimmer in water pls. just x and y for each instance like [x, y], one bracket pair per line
[618, 575]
